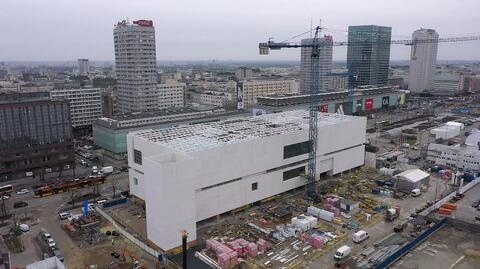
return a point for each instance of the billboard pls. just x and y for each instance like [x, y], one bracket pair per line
[240, 103]
[368, 104]
[385, 101]
[323, 108]
[359, 105]
[345, 107]
[402, 99]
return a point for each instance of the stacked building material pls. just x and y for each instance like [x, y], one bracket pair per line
[252, 250]
[304, 223]
[321, 213]
[263, 245]
[317, 241]
[226, 257]
[239, 246]
[447, 208]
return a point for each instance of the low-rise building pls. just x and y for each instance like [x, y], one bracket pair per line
[463, 156]
[85, 104]
[212, 98]
[219, 166]
[249, 90]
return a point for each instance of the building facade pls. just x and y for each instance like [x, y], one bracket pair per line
[464, 157]
[325, 64]
[83, 66]
[35, 135]
[171, 95]
[190, 162]
[368, 54]
[423, 60]
[251, 89]
[135, 66]
[243, 73]
[212, 98]
[85, 104]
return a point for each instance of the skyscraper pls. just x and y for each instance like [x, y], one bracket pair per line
[423, 59]
[368, 54]
[135, 66]
[325, 59]
[83, 66]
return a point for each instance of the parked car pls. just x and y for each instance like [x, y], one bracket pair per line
[22, 191]
[59, 255]
[24, 227]
[51, 243]
[20, 204]
[476, 203]
[83, 162]
[46, 235]
[5, 197]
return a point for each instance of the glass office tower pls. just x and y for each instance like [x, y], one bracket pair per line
[368, 54]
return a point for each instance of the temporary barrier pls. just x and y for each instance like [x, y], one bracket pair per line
[405, 249]
[114, 202]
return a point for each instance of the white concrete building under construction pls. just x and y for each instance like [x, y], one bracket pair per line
[191, 173]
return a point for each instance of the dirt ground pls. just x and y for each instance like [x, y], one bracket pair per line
[447, 248]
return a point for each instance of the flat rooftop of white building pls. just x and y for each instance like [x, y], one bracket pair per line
[208, 135]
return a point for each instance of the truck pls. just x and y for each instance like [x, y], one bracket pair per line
[392, 213]
[107, 170]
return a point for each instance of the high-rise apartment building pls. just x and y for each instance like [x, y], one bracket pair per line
[368, 54]
[85, 104]
[325, 64]
[423, 60]
[83, 66]
[135, 66]
[35, 135]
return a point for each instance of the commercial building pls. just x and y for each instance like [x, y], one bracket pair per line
[219, 166]
[423, 60]
[212, 98]
[446, 84]
[249, 90]
[365, 100]
[135, 66]
[368, 54]
[83, 66]
[111, 133]
[338, 82]
[465, 156]
[243, 73]
[35, 135]
[325, 64]
[171, 95]
[85, 104]
[109, 104]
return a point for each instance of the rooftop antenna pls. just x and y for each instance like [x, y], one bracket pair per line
[311, 25]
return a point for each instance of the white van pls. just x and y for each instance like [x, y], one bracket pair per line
[64, 215]
[415, 192]
[342, 252]
[360, 236]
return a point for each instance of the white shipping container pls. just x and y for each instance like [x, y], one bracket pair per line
[321, 213]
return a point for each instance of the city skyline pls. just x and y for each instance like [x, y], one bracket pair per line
[215, 30]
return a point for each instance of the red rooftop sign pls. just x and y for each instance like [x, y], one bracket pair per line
[146, 23]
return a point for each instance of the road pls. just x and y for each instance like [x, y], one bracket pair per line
[44, 210]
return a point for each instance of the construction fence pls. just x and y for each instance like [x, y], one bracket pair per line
[408, 247]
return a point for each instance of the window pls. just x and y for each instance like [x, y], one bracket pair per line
[254, 186]
[137, 156]
[295, 172]
[296, 149]
[135, 181]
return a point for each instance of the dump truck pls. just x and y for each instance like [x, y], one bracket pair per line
[392, 213]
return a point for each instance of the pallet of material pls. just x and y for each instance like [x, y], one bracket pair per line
[450, 206]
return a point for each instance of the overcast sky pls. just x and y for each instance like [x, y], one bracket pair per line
[42, 30]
